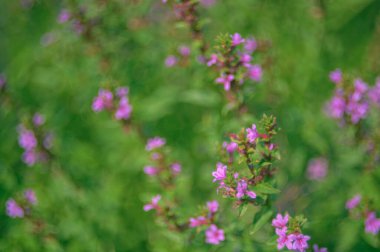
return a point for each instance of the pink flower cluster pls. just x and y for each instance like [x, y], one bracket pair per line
[213, 234]
[153, 204]
[353, 102]
[118, 105]
[180, 58]
[16, 209]
[33, 151]
[291, 239]
[371, 223]
[317, 169]
[235, 64]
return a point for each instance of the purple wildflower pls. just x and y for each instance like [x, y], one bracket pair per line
[122, 91]
[354, 202]
[124, 110]
[242, 190]
[27, 139]
[38, 119]
[299, 241]
[176, 168]
[213, 60]
[336, 76]
[171, 61]
[153, 204]
[252, 134]
[372, 224]
[237, 39]
[255, 73]
[63, 16]
[214, 235]
[336, 106]
[245, 59]
[317, 168]
[184, 51]
[30, 157]
[284, 239]
[220, 173]
[225, 80]
[317, 249]
[212, 206]
[30, 196]
[102, 101]
[230, 147]
[154, 143]
[373, 93]
[280, 221]
[198, 221]
[13, 209]
[250, 45]
[151, 170]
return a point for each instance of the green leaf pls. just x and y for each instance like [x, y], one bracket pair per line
[265, 188]
[261, 222]
[242, 209]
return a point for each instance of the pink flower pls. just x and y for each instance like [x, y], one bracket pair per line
[225, 80]
[255, 73]
[198, 221]
[336, 76]
[283, 240]
[250, 45]
[150, 170]
[30, 196]
[280, 222]
[176, 168]
[153, 204]
[13, 209]
[154, 143]
[171, 61]
[38, 119]
[354, 202]
[230, 147]
[213, 206]
[184, 51]
[27, 139]
[220, 173]
[102, 101]
[124, 110]
[242, 190]
[122, 91]
[299, 241]
[317, 249]
[372, 224]
[214, 235]
[237, 39]
[213, 60]
[252, 134]
[336, 106]
[63, 16]
[30, 157]
[317, 169]
[245, 59]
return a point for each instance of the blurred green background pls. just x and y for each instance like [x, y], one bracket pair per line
[92, 195]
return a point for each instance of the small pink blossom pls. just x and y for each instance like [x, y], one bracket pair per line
[214, 235]
[176, 168]
[171, 61]
[317, 168]
[220, 173]
[153, 204]
[150, 170]
[198, 221]
[242, 190]
[317, 249]
[299, 241]
[13, 209]
[122, 91]
[280, 221]
[154, 143]
[372, 224]
[225, 80]
[27, 139]
[230, 147]
[336, 76]
[63, 16]
[284, 240]
[184, 51]
[30, 196]
[213, 60]
[38, 119]
[102, 101]
[255, 73]
[212, 206]
[245, 59]
[354, 202]
[30, 157]
[252, 134]
[237, 39]
[250, 45]
[124, 110]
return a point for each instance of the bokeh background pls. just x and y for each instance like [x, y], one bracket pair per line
[91, 196]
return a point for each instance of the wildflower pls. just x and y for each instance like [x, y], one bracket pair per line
[150, 170]
[199, 221]
[212, 206]
[220, 173]
[171, 61]
[283, 239]
[317, 249]
[237, 39]
[30, 157]
[373, 93]
[280, 222]
[336, 76]
[299, 241]
[38, 119]
[155, 143]
[230, 147]
[102, 101]
[354, 202]
[252, 134]
[245, 59]
[13, 209]
[30, 196]
[372, 224]
[153, 204]
[176, 168]
[48, 140]
[63, 16]
[317, 169]
[214, 235]
[124, 110]
[122, 91]
[250, 45]
[213, 60]
[225, 80]
[184, 51]
[27, 139]
[255, 73]
[337, 106]
[242, 190]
